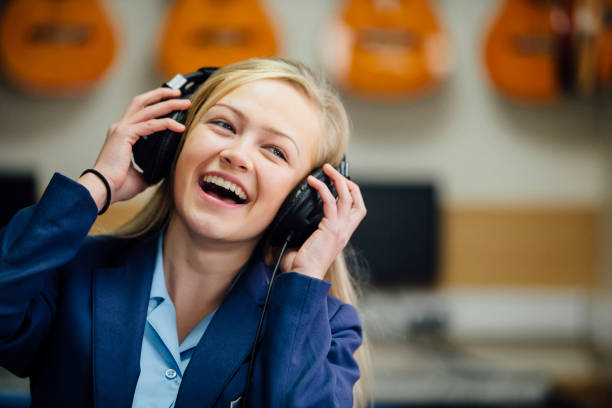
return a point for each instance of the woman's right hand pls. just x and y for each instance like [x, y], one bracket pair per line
[141, 118]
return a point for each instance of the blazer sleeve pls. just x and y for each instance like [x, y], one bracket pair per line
[308, 353]
[38, 240]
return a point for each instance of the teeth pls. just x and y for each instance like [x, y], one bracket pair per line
[228, 185]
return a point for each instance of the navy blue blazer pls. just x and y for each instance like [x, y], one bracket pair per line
[73, 310]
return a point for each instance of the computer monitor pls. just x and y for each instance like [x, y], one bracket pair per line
[17, 191]
[399, 235]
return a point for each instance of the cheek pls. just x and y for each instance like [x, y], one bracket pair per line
[190, 157]
[276, 189]
[195, 150]
[180, 177]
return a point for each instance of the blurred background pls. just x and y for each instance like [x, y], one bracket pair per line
[482, 139]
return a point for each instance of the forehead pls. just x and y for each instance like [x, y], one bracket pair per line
[270, 90]
[278, 104]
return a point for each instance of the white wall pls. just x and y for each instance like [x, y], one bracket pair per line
[478, 147]
[601, 318]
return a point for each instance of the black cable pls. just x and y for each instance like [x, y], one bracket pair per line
[243, 402]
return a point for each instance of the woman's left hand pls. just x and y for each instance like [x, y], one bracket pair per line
[340, 219]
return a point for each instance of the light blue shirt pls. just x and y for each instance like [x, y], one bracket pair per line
[163, 360]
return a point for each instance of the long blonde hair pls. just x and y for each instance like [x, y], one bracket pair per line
[155, 215]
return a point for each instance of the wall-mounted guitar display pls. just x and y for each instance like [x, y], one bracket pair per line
[55, 47]
[214, 33]
[605, 46]
[543, 50]
[386, 49]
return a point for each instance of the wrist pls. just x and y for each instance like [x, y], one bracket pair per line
[313, 273]
[98, 188]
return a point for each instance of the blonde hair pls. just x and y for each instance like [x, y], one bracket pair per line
[155, 215]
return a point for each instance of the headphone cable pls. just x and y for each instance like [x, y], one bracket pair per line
[243, 402]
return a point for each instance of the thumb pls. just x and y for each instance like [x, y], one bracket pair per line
[287, 261]
[132, 185]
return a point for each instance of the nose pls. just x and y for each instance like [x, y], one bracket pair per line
[236, 158]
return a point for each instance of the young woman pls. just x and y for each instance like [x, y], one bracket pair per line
[164, 312]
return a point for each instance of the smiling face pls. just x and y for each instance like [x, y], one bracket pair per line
[242, 158]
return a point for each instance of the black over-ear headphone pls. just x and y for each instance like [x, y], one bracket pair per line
[153, 154]
[299, 215]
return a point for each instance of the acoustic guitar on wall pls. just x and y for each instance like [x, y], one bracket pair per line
[605, 47]
[543, 50]
[386, 49]
[214, 33]
[527, 49]
[55, 47]
[586, 45]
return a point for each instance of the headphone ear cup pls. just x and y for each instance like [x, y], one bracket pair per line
[300, 214]
[154, 153]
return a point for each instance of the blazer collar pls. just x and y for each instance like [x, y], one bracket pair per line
[120, 297]
[119, 301]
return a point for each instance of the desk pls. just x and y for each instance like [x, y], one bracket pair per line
[468, 374]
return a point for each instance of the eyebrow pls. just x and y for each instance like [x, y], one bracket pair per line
[265, 128]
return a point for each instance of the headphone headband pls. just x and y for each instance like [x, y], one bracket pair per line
[189, 83]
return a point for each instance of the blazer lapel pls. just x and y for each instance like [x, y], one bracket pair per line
[120, 302]
[227, 342]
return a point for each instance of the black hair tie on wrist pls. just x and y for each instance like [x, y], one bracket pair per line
[108, 189]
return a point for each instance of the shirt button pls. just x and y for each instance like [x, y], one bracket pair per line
[170, 374]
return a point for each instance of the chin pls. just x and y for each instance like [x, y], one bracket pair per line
[209, 227]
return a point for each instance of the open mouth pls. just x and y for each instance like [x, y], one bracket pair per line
[223, 190]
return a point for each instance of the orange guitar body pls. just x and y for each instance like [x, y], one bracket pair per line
[387, 48]
[214, 33]
[523, 47]
[55, 46]
[605, 47]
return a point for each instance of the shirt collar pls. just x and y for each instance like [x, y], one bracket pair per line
[159, 291]
[159, 294]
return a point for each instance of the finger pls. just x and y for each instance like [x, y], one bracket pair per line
[356, 194]
[345, 200]
[358, 203]
[156, 125]
[329, 201]
[134, 181]
[149, 98]
[159, 109]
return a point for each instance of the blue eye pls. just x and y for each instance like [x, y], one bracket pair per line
[223, 124]
[277, 152]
